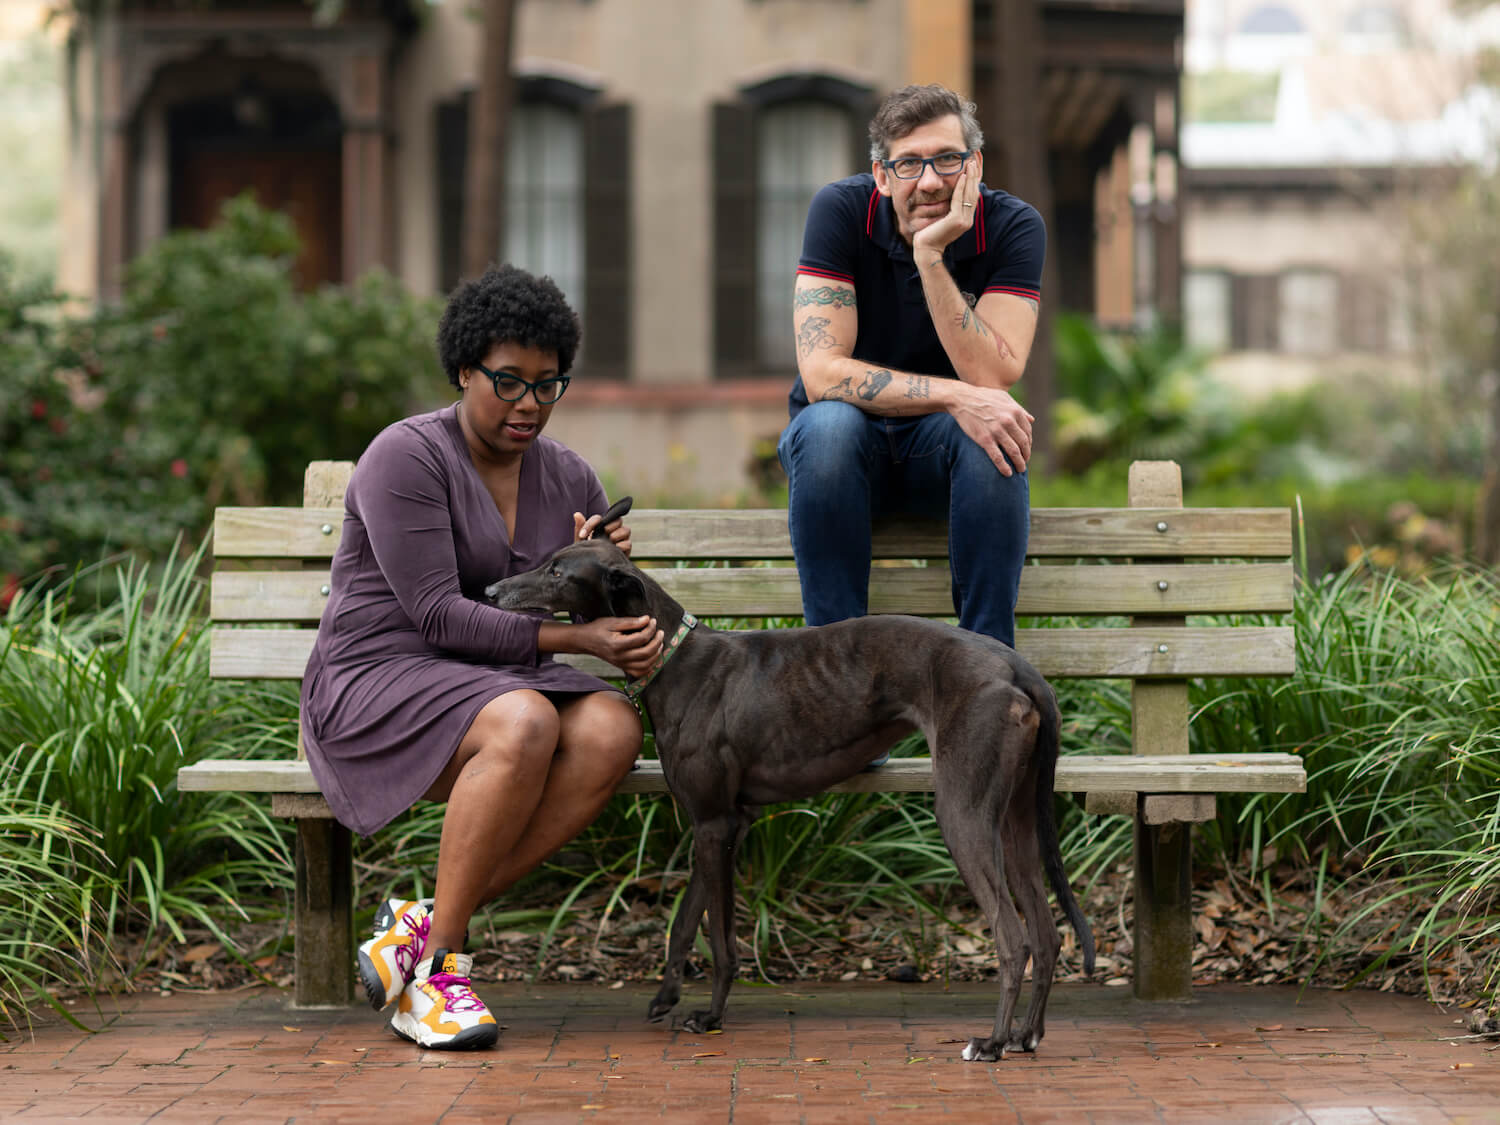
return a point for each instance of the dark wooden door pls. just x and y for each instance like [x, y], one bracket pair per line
[307, 184]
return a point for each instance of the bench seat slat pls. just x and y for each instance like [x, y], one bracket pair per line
[664, 533]
[297, 596]
[1106, 653]
[1076, 773]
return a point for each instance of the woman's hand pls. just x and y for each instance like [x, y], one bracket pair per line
[618, 533]
[631, 644]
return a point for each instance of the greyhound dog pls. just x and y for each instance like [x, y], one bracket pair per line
[748, 718]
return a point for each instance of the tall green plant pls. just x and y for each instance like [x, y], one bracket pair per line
[52, 878]
[100, 704]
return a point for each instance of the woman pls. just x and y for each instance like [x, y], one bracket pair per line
[416, 688]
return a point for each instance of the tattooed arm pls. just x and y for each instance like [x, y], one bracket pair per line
[988, 344]
[826, 324]
[825, 319]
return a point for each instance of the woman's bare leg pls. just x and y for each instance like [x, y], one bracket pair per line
[597, 746]
[526, 779]
[492, 785]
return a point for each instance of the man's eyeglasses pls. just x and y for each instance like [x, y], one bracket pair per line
[912, 167]
[512, 388]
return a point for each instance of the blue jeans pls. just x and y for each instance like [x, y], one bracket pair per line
[846, 467]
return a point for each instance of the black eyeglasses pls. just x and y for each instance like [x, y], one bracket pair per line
[912, 167]
[512, 388]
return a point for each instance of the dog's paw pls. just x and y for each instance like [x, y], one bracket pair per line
[983, 1050]
[700, 1023]
[662, 1003]
[1024, 1043]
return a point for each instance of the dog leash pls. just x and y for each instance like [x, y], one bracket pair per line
[634, 687]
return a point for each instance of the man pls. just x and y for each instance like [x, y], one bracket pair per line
[915, 307]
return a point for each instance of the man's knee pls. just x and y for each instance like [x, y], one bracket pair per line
[823, 434]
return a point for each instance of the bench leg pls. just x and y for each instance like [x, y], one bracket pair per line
[325, 915]
[1163, 911]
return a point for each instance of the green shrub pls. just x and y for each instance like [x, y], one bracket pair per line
[212, 381]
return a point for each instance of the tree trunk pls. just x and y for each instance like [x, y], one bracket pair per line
[489, 121]
[1023, 139]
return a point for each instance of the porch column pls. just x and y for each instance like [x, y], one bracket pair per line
[366, 158]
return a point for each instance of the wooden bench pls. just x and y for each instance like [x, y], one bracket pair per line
[1165, 562]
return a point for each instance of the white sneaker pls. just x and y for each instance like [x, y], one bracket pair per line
[388, 960]
[439, 1010]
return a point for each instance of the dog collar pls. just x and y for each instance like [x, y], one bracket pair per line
[634, 688]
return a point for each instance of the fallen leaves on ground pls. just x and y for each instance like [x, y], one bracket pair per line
[1239, 937]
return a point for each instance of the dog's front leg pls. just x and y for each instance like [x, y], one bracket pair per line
[714, 845]
[684, 929]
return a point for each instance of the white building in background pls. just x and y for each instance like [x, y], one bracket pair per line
[1309, 129]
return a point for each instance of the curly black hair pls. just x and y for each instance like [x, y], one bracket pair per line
[506, 305]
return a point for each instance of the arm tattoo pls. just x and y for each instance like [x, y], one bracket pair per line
[824, 295]
[812, 335]
[918, 386]
[966, 317]
[840, 391]
[874, 383]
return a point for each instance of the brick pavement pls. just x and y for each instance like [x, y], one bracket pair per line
[869, 1052]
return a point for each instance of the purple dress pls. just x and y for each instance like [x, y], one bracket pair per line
[408, 653]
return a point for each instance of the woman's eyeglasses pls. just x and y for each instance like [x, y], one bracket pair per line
[512, 388]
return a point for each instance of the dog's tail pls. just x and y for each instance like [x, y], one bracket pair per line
[1048, 748]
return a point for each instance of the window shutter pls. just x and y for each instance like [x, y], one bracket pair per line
[452, 150]
[734, 238]
[859, 117]
[607, 242]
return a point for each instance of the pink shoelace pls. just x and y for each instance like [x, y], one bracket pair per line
[409, 954]
[458, 994]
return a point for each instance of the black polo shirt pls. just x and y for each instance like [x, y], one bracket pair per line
[852, 237]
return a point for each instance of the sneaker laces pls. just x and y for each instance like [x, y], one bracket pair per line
[410, 945]
[458, 993]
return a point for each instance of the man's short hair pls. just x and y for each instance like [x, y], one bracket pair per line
[911, 107]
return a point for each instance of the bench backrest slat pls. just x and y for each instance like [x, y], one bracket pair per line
[762, 534]
[1138, 653]
[1141, 589]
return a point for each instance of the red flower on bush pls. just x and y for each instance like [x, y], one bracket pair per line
[38, 408]
[179, 468]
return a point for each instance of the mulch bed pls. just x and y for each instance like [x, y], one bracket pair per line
[1238, 940]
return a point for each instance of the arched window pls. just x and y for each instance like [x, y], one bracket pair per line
[774, 146]
[1206, 303]
[802, 145]
[1307, 313]
[567, 203]
[544, 195]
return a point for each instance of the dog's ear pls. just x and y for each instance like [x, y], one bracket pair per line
[626, 591]
[612, 513]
